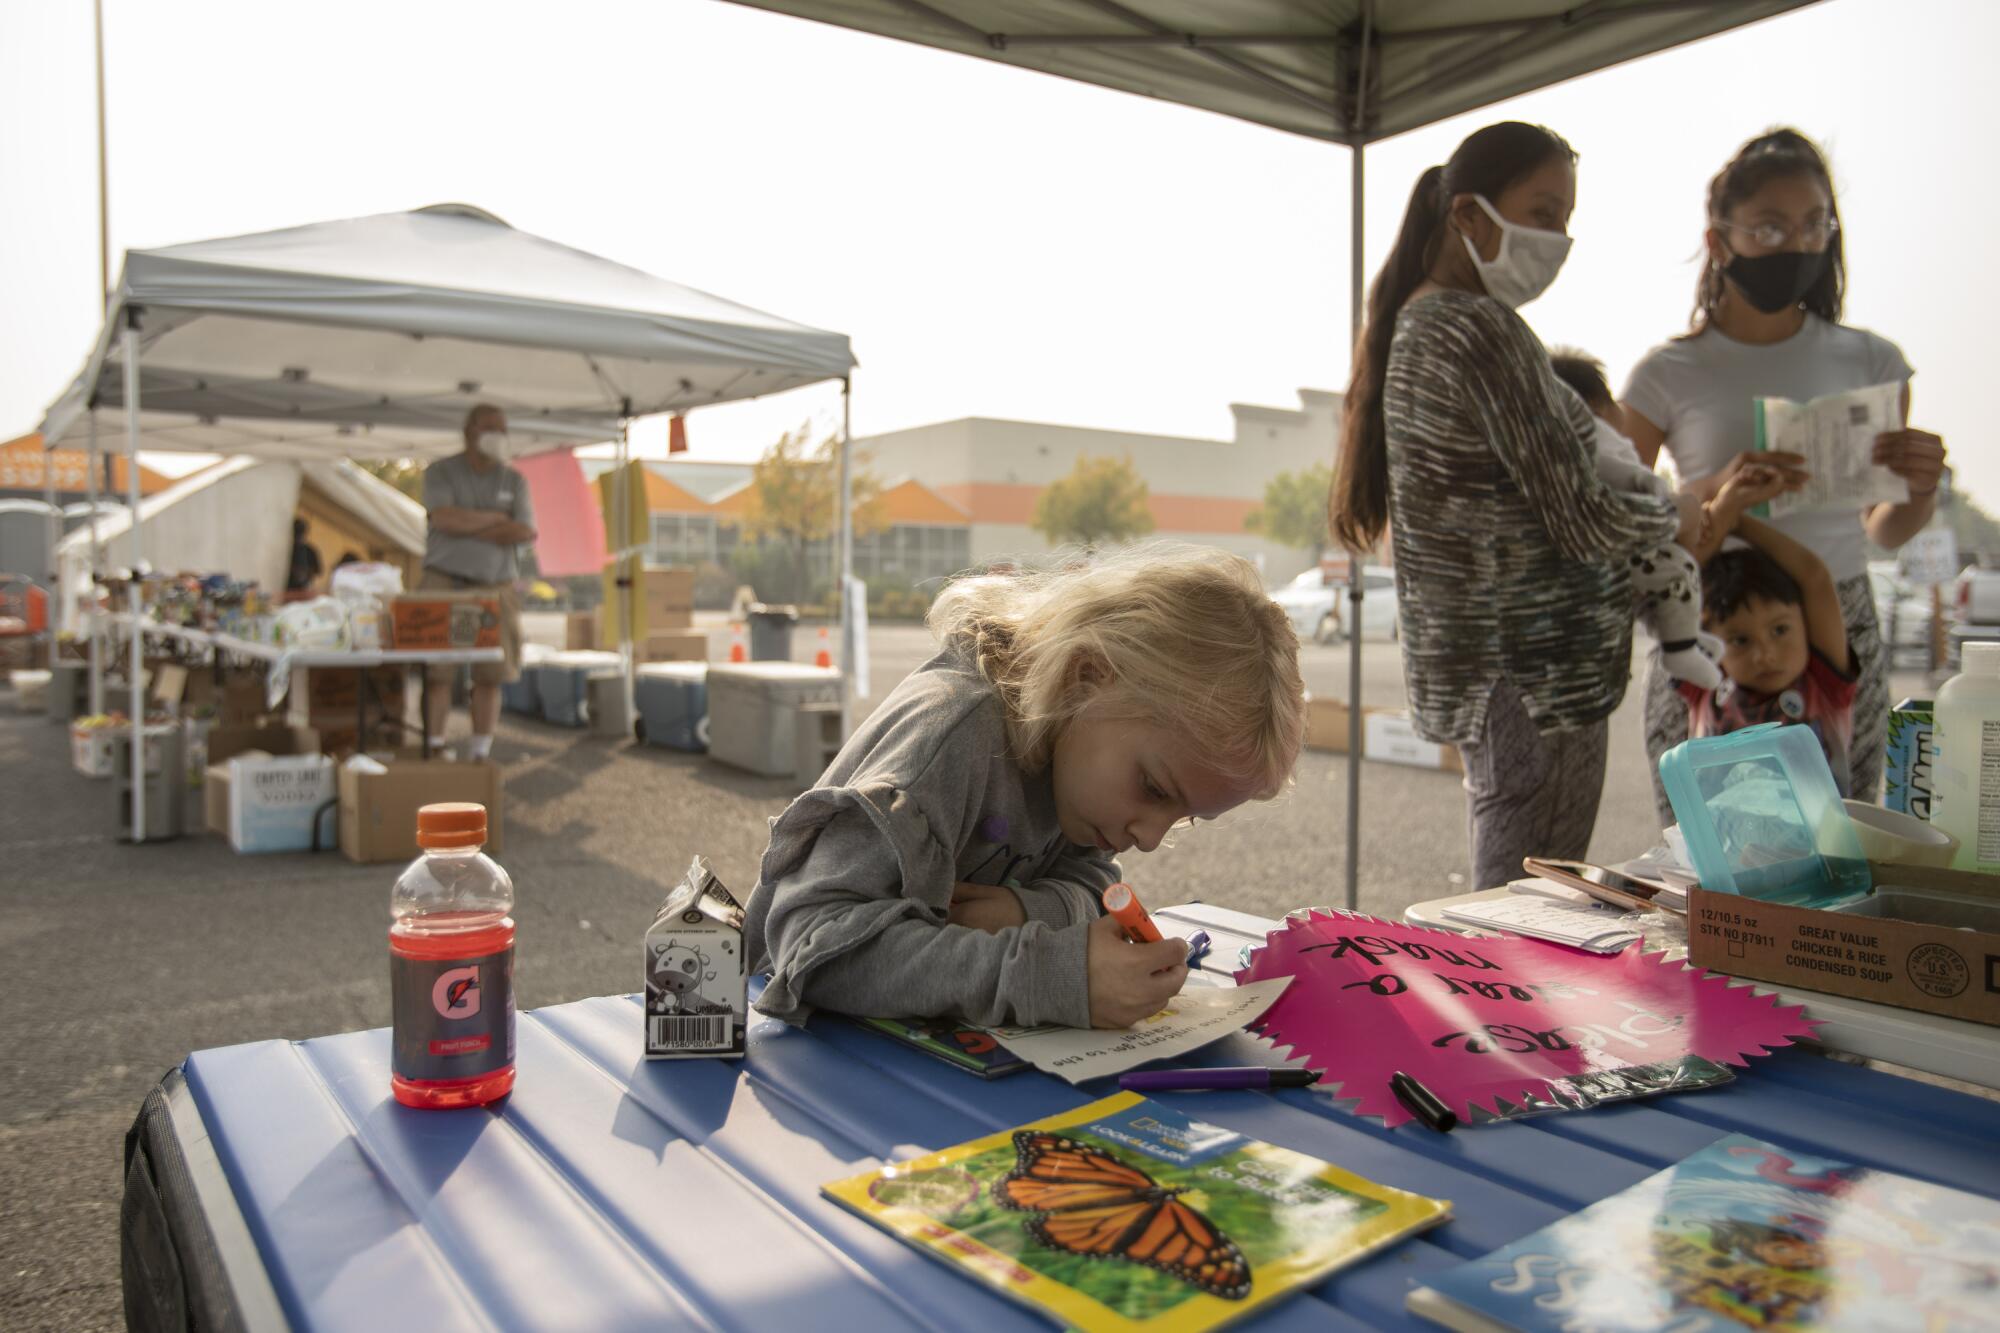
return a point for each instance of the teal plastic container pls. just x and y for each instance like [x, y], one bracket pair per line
[1763, 818]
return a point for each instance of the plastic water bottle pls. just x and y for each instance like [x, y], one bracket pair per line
[1965, 784]
[451, 966]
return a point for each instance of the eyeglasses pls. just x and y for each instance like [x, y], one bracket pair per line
[1776, 236]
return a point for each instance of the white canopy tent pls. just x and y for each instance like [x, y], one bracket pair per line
[371, 337]
[1352, 72]
[236, 518]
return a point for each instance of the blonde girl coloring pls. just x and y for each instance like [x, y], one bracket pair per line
[951, 859]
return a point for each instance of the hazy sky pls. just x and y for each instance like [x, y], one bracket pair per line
[996, 242]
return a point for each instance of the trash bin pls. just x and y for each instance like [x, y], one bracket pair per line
[164, 771]
[771, 632]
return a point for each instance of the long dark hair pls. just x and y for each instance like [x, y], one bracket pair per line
[1485, 164]
[1779, 155]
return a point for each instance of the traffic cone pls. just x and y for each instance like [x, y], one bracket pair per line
[737, 653]
[822, 658]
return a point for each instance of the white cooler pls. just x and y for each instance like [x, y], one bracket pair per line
[754, 710]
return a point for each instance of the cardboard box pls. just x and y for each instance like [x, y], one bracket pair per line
[444, 620]
[580, 631]
[242, 702]
[1387, 736]
[378, 811]
[215, 794]
[320, 690]
[225, 743]
[669, 597]
[1926, 939]
[675, 645]
[275, 803]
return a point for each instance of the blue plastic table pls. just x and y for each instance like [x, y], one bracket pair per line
[612, 1193]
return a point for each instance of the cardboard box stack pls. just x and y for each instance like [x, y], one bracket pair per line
[667, 620]
[327, 700]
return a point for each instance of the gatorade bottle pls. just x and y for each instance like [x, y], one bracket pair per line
[451, 966]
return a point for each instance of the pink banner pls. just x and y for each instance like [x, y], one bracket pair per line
[1481, 1020]
[568, 522]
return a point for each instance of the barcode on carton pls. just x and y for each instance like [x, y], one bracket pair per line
[688, 1032]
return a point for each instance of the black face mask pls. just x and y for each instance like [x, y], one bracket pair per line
[1775, 282]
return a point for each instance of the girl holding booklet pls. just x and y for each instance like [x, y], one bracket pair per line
[1767, 324]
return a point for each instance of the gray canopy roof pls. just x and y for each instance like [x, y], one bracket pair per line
[1296, 64]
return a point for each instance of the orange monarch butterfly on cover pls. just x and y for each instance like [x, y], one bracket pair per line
[1092, 1204]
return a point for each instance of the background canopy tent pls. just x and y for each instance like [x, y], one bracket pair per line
[1347, 71]
[369, 338]
[236, 518]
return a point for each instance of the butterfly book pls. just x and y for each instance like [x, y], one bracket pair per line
[1124, 1214]
[1742, 1235]
[962, 1045]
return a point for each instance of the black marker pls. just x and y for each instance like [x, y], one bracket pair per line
[1423, 1103]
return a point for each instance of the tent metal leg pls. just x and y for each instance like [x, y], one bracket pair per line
[1354, 588]
[90, 579]
[129, 339]
[847, 645]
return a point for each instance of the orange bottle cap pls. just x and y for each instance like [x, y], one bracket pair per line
[451, 824]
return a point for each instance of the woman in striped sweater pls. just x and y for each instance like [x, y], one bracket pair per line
[1512, 592]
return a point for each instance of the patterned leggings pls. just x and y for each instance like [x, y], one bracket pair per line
[1529, 792]
[1666, 711]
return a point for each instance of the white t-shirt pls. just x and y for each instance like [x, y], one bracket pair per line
[1700, 392]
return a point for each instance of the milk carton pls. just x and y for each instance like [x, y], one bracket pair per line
[696, 1001]
[1908, 760]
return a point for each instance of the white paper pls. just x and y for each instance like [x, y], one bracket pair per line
[1549, 919]
[1198, 1016]
[1836, 435]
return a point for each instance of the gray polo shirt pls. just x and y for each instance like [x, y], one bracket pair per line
[452, 483]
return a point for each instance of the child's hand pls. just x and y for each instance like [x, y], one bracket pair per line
[988, 907]
[1751, 484]
[1130, 981]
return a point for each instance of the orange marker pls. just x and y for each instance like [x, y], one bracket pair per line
[1130, 913]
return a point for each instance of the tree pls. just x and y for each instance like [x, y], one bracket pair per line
[1294, 509]
[1101, 500]
[405, 474]
[795, 499]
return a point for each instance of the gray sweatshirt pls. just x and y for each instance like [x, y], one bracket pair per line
[849, 912]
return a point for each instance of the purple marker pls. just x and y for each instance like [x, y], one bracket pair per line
[1206, 1080]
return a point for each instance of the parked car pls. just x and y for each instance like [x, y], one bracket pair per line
[1316, 603]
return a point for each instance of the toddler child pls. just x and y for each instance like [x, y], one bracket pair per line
[1776, 608]
[1666, 581]
[951, 859]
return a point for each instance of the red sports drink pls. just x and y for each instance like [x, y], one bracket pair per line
[451, 966]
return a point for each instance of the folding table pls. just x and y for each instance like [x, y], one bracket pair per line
[277, 1184]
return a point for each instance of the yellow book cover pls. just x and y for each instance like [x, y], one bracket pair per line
[1124, 1214]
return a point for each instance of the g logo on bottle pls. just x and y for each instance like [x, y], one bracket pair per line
[456, 993]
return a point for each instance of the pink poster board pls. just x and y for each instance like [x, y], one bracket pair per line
[1479, 1020]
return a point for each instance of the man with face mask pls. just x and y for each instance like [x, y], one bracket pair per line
[480, 516]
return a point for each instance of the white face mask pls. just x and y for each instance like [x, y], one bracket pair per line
[496, 446]
[1527, 262]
